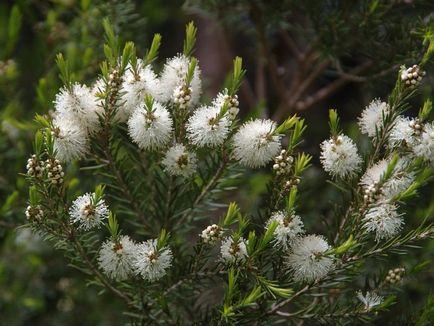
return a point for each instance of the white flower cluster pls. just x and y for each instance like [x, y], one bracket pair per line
[70, 139]
[309, 259]
[173, 82]
[403, 132]
[179, 161]
[399, 180]
[223, 98]
[76, 117]
[79, 111]
[116, 258]
[415, 136]
[233, 251]
[87, 212]
[255, 143]
[339, 156]
[150, 128]
[206, 128]
[372, 118]
[289, 228]
[384, 220]
[424, 145]
[124, 258]
[78, 105]
[136, 85]
[411, 76]
[381, 216]
[151, 263]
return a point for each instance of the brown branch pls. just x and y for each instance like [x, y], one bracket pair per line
[291, 45]
[330, 88]
[267, 55]
[299, 82]
[168, 200]
[310, 79]
[260, 88]
[248, 94]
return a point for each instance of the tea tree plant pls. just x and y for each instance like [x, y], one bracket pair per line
[160, 162]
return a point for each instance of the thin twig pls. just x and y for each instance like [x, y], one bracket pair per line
[267, 54]
[209, 186]
[276, 306]
[307, 82]
[125, 188]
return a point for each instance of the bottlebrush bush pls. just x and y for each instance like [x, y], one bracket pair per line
[162, 161]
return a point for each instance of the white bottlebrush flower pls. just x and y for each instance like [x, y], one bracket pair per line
[289, 228]
[150, 263]
[116, 258]
[339, 156]
[233, 251]
[205, 129]
[370, 300]
[383, 220]
[70, 139]
[222, 98]
[372, 117]
[150, 130]
[88, 213]
[136, 86]
[398, 182]
[174, 76]
[425, 144]
[402, 132]
[308, 260]
[79, 104]
[255, 143]
[179, 161]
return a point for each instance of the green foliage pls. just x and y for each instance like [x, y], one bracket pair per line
[237, 76]
[190, 39]
[334, 123]
[190, 72]
[152, 52]
[260, 288]
[427, 314]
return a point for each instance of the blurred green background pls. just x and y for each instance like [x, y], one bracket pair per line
[294, 53]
